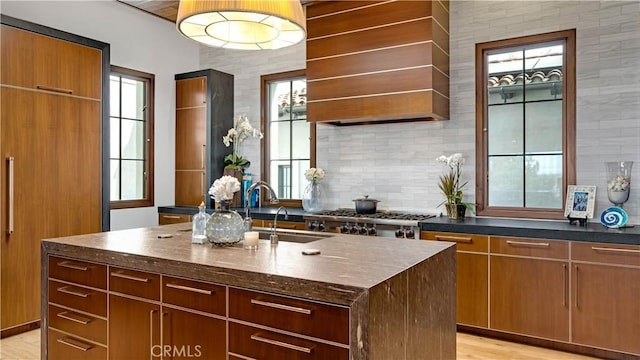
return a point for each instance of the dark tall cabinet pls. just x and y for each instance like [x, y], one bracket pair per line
[204, 114]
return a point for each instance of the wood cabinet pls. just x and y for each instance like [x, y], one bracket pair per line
[472, 276]
[605, 291]
[377, 61]
[166, 218]
[77, 309]
[204, 114]
[292, 225]
[293, 316]
[52, 124]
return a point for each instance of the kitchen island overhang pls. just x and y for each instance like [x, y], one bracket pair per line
[400, 293]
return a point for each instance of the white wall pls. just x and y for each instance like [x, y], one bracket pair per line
[138, 41]
[396, 163]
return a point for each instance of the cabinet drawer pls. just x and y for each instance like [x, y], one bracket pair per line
[195, 295]
[63, 346]
[304, 317]
[293, 225]
[464, 242]
[77, 297]
[553, 249]
[136, 283]
[262, 344]
[606, 253]
[166, 219]
[79, 272]
[86, 326]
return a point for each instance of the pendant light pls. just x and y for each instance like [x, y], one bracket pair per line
[242, 24]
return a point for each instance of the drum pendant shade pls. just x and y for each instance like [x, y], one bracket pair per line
[243, 24]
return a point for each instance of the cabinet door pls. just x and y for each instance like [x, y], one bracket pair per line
[472, 289]
[191, 139]
[605, 311]
[190, 188]
[134, 329]
[191, 92]
[41, 62]
[54, 179]
[188, 335]
[530, 297]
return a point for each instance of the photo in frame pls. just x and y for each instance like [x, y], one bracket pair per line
[580, 201]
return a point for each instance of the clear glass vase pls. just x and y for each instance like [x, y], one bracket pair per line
[618, 181]
[225, 226]
[313, 197]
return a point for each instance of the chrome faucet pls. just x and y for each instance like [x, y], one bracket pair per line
[273, 198]
[274, 235]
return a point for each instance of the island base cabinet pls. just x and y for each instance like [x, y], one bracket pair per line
[62, 346]
[530, 296]
[188, 335]
[268, 345]
[134, 329]
[605, 308]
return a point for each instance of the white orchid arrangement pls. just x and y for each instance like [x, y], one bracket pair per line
[223, 188]
[240, 131]
[450, 184]
[314, 175]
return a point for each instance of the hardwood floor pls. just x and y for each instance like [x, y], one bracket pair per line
[26, 346]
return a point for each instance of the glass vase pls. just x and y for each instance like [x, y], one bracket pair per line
[313, 197]
[618, 181]
[225, 226]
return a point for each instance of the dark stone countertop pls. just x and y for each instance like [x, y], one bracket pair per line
[263, 213]
[562, 230]
[348, 266]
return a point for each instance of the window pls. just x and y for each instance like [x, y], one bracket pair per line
[289, 140]
[131, 150]
[525, 125]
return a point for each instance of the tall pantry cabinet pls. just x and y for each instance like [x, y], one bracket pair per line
[51, 126]
[204, 114]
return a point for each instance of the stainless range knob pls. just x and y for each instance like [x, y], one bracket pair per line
[400, 233]
[355, 229]
[345, 228]
[410, 233]
[313, 225]
[364, 230]
[321, 227]
[372, 231]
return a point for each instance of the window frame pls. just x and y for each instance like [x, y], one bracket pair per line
[265, 80]
[568, 38]
[149, 80]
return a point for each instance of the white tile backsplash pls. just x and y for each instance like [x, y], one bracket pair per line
[395, 163]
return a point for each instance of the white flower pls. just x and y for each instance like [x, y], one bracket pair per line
[241, 130]
[618, 183]
[223, 188]
[314, 174]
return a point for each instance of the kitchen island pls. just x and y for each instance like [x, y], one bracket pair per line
[361, 298]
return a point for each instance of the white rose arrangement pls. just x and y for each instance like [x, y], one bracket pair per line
[223, 188]
[618, 183]
[314, 175]
[240, 131]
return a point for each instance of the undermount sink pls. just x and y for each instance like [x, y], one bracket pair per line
[297, 236]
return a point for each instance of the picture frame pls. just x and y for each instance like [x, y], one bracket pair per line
[580, 201]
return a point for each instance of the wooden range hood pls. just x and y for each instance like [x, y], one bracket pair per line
[377, 61]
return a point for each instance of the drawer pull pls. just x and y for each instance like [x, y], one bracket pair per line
[129, 277]
[189, 288]
[171, 217]
[54, 89]
[615, 250]
[282, 306]
[303, 349]
[75, 344]
[66, 290]
[524, 243]
[459, 239]
[75, 318]
[66, 264]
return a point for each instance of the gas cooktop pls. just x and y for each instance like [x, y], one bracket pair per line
[379, 217]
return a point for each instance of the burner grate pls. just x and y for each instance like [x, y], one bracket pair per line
[378, 215]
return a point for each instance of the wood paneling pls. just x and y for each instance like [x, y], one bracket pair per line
[390, 47]
[166, 219]
[191, 92]
[134, 329]
[197, 295]
[464, 242]
[78, 297]
[606, 253]
[378, 15]
[83, 325]
[79, 272]
[472, 289]
[191, 130]
[187, 335]
[190, 188]
[555, 249]
[135, 283]
[63, 346]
